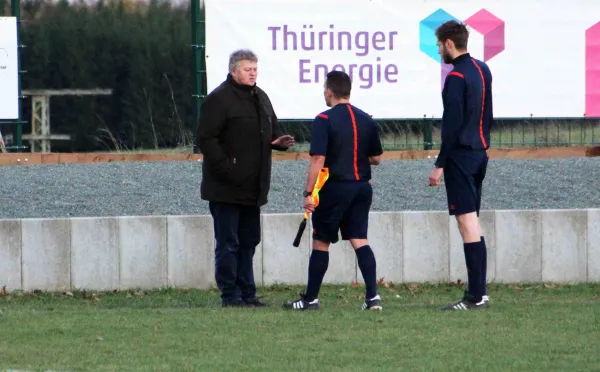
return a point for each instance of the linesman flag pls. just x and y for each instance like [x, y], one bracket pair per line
[321, 179]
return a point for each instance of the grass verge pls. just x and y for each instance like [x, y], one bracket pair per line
[529, 327]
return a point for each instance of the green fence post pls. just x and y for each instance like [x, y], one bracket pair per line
[199, 63]
[203, 89]
[427, 134]
[195, 9]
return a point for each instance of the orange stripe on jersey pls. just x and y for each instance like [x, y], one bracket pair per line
[323, 116]
[355, 141]
[457, 74]
[482, 105]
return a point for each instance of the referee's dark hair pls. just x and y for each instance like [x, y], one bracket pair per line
[339, 83]
[455, 31]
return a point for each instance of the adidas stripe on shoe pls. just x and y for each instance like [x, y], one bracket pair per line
[301, 304]
[467, 303]
[485, 298]
[373, 304]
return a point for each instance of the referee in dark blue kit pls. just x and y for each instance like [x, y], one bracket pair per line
[466, 124]
[345, 140]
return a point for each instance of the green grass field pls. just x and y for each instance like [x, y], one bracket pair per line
[537, 327]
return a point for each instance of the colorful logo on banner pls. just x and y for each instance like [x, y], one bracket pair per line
[484, 22]
[592, 71]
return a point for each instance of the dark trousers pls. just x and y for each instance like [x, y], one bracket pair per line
[237, 233]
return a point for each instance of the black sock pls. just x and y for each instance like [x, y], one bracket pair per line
[473, 253]
[368, 268]
[317, 267]
[484, 267]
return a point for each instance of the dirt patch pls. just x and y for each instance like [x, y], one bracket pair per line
[65, 158]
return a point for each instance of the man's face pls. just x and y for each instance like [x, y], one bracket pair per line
[245, 73]
[444, 52]
[327, 94]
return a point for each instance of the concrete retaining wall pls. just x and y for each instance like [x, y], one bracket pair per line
[177, 251]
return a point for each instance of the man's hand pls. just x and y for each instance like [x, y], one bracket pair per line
[2, 146]
[284, 141]
[309, 204]
[435, 178]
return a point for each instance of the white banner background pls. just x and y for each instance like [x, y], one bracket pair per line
[9, 74]
[541, 71]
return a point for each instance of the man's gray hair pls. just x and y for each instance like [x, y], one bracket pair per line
[241, 55]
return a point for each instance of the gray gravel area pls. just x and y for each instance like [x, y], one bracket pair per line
[173, 188]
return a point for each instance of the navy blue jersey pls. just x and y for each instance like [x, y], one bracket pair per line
[347, 137]
[468, 112]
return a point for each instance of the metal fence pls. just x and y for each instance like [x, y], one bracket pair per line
[506, 133]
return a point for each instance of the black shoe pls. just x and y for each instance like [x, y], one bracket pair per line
[255, 302]
[373, 304]
[467, 303]
[233, 303]
[302, 304]
[485, 298]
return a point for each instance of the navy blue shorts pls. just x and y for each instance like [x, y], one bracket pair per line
[344, 207]
[464, 173]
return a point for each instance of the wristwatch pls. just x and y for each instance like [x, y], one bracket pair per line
[306, 193]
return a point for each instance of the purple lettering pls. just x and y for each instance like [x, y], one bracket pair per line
[378, 37]
[351, 70]
[348, 40]
[369, 78]
[331, 34]
[361, 40]
[392, 34]
[303, 37]
[274, 30]
[287, 33]
[322, 34]
[391, 73]
[319, 74]
[368, 74]
[303, 71]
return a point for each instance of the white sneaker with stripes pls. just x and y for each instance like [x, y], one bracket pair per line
[373, 304]
[302, 304]
[467, 303]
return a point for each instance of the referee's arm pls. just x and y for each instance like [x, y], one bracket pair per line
[318, 150]
[375, 148]
[453, 117]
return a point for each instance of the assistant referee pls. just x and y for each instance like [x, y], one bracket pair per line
[466, 125]
[345, 140]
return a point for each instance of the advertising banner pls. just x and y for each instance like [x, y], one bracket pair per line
[544, 55]
[9, 73]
